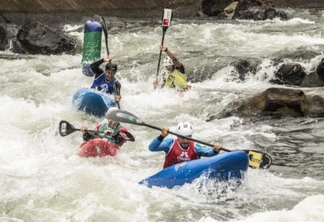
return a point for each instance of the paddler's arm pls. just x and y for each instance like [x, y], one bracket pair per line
[158, 145]
[181, 69]
[161, 143]
[95, 66]
[176, 62]
[207, 151]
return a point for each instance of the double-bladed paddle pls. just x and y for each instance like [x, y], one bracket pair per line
[66, 128]
[257, 159]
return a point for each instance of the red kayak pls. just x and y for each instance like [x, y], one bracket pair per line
[98, 147]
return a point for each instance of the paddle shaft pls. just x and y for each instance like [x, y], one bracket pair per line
[91, 131]
[256, 159]
[106, 42]
[188, 138]
[158, 67]
[106, 33]
[264, 157]
[118, 93]
[166, 20]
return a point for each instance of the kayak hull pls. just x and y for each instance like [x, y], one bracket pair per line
[92, 102]
[98, 148]
[223, 167]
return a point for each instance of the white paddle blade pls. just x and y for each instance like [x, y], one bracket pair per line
[167, 16]
[123, 116]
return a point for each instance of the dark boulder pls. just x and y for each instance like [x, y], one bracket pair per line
[294, 74]
[36, 38]
[7, 35]
[277, 102]
[257, 10]
[244, 67]
[320, 70]
[4, 41]
[312, 80]
[289, 74]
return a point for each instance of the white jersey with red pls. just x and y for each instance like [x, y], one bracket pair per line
[177, 154]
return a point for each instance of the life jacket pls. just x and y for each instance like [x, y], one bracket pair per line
[177, 154]
[109, 86]
[104, 127]
[176, 79]
[101, 84]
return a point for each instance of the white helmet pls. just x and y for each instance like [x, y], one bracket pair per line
[168, 61]
[110, 110]
[184, 129]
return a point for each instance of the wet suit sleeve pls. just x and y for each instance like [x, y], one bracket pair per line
[181, 69]
[203, 150]
[95, 67]
[161, 145]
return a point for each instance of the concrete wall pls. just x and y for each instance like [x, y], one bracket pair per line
[51, 11]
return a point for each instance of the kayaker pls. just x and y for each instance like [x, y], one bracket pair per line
[105, 81]
[174, 75]
[112, 131]
[181, 149]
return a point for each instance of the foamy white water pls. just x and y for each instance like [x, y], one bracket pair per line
[42, 178]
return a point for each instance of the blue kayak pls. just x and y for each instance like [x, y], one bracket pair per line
[93, 102]
[222, 167]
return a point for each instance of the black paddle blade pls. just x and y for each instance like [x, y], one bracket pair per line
[66, 128]
[127, 136]
[259, 159]
[123, 116]
[103, 24]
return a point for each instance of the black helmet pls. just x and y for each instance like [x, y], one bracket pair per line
[112, 67]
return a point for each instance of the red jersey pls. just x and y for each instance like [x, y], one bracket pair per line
[177, 154]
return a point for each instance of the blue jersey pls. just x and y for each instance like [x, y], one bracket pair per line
[101, 84]
[166, 144]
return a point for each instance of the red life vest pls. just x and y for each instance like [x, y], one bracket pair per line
[177, 154]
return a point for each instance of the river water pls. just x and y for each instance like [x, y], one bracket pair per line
[42, 178]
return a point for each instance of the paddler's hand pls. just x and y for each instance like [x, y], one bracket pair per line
[217, 147]
[155, 84]
[164, 49]
[83, 129]
[107, 132]
[117, 98]
[107, 58]
[164, 131]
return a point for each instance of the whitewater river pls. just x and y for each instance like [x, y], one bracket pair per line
[42, 178]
